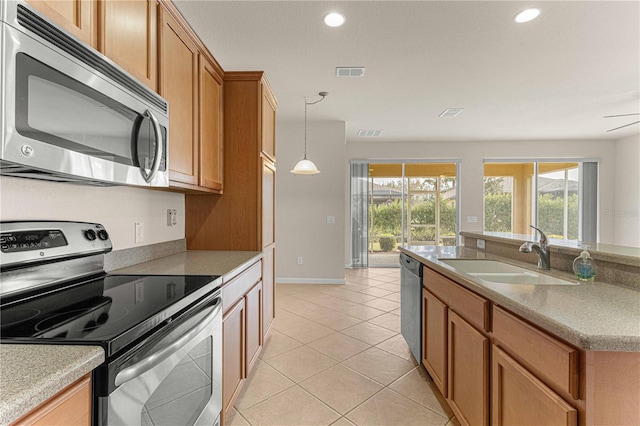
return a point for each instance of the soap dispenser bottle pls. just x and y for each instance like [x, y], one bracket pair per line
[583, 266]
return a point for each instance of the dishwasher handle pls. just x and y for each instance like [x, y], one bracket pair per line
[410, 264]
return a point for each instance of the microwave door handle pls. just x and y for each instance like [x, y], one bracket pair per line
[157, 357]
[159, 149]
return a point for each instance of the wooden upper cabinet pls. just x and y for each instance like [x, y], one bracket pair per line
[211, 154]
[78, 17]
[268, 122]
[179, 86]
[128, 36]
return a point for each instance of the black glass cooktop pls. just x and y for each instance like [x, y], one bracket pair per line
[112, 311]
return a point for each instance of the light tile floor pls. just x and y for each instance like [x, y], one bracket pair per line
[335, 357]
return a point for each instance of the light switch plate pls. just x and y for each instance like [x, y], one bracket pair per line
[139, 237]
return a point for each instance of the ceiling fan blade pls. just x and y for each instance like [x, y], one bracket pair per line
[626, 125]
[621, 115]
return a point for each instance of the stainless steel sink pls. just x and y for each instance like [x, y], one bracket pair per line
[494, 271]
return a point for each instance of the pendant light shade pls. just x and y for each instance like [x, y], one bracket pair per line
[306, 166]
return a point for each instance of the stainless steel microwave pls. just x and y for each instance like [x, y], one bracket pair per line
[70, 114]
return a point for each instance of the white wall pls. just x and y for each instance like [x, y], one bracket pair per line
[304, 202]
[625, 210]
[117, 208]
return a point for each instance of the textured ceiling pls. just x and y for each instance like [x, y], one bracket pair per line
[552, 78]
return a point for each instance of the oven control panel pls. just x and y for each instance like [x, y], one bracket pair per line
[25, 242]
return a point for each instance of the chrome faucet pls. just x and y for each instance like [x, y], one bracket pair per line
[541, 248]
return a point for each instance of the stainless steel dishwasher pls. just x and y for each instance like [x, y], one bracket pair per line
[411, 304]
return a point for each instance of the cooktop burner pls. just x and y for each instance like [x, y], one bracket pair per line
[112, 310]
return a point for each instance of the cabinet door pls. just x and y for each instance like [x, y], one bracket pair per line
[518, 398]
[468, 394]
[268, 288]
[77, 17]
[268, 203]
[434, 340]
[210, 126]
[179, 86]
[253, 302]
[233, 352]
[268, 123]
[128, 36]
[70, 407]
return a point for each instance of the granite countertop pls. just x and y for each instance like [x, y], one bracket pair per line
[196, 262]
[594, 316]
[31, 374]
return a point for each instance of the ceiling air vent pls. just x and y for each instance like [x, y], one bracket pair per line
[370, 133]
[349, 71]
[451, 112]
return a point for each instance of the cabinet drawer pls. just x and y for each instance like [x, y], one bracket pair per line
[237, 287]
[548, 357]
[468, 305]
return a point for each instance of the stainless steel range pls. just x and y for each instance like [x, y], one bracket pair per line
[162, 335]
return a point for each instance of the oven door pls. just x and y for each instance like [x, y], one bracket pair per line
[63, 117]
[176, 380]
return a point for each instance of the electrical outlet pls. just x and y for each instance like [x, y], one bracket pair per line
[299, 260]
[472, 219]
[480, 244]
[139, 238]
[331, 219]
[172, 217]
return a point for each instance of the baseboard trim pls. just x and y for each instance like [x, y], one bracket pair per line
[309, 281]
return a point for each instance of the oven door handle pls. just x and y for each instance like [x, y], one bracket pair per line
[168, 350]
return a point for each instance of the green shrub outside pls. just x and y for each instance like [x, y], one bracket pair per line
[387, 242]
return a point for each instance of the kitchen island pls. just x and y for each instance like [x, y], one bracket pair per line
[557, 354]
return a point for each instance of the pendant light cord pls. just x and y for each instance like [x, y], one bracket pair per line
[323, 94]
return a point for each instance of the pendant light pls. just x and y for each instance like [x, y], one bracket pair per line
[305, 166]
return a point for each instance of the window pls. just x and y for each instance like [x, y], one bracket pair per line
[558, 197]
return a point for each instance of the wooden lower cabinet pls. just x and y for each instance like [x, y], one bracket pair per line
[233, 354]
[468, 393]
[519, 398]
[242, 324]
[534, 377]
[253, 302]
[70, 407]
[434, 342]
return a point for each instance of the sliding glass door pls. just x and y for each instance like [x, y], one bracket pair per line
[408, 204]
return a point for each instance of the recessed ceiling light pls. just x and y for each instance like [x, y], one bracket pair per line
[334, 19]
[527, 15]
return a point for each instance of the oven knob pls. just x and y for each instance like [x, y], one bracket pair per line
[103, 235]
[90, 234]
